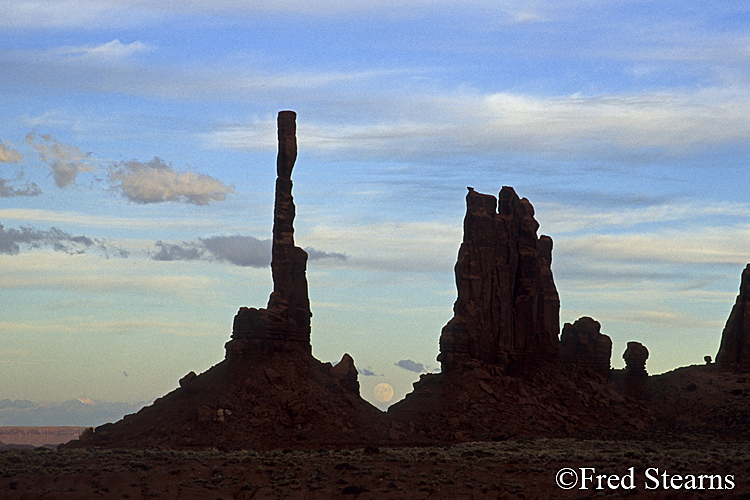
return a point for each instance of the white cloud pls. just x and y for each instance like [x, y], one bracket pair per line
[106, 52]
[156, 181]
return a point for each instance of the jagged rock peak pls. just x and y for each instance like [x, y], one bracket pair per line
[636, 377]
[583, 345]
[507, 311]
[734, 351]
[346, 373]
[285, 323]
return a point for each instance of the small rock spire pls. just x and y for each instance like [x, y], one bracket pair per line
[734, 351]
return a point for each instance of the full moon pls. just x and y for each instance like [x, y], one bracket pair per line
[383, 392]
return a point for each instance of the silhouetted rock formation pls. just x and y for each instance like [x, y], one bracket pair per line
[285, 324]
[734, 350]
[504, 371]
[507, 311]
[583, 345]
[636, 377]
[269, 391]
[346, 373]
[500, 351]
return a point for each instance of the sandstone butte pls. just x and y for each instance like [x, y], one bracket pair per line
[506, 369]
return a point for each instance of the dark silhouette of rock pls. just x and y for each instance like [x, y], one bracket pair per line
[734, 350]
[500, 353]
[270, 391]
[185, 381]
[636, 377]
[507, 311]
[285, 324]
[504, 371]
[583, 345]
[346, 373]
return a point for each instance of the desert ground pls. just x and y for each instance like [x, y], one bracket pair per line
[516, 468]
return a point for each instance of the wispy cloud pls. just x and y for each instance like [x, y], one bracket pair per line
[83, 13]
[666, 319]
[409, 246]
[564, 218]
[412, 366]
[156, 181]
[245, 251]
[699, 245]
[8, 154]
[88, 272]
[238, 250]
[12, 239]
[64, 161]
[8, 191]
[106, 52]
[569, 127]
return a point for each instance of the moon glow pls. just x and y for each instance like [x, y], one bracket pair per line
[383, 392]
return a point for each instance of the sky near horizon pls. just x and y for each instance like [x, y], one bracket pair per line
[137, 167]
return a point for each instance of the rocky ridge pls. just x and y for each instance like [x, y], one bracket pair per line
[506, 370]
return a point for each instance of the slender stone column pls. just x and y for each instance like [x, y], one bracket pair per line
[285, 324]
[289, 299]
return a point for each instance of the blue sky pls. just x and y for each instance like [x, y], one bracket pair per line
[138, 158]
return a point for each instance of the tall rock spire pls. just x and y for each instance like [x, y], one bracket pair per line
[507, 311]
[285, 324]
[734, 351]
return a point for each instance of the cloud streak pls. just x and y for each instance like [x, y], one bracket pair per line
[244, 251]
[11, 240]
[8, 154]
[8, 191]
[65, 162]
[442, 127]
[83, 13]
[106, 52]
[156, 181]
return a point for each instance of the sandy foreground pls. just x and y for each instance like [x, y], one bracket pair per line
[516, 468]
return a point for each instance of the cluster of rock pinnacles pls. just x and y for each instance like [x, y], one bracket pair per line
[505, 330]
